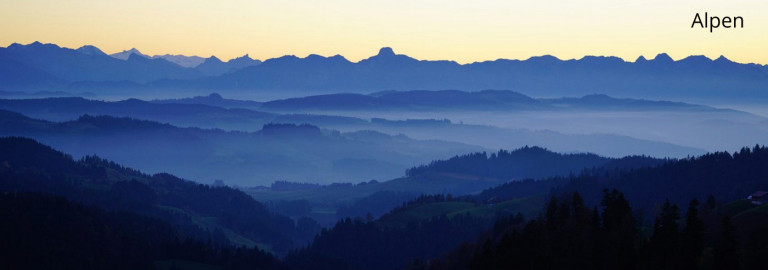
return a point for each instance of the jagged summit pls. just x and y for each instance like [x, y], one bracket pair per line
[723, 59]
[35, 65]
[34, 45]
[214, 59]
[124, 55]
[386, 51]
[663, 57]
[386, 58]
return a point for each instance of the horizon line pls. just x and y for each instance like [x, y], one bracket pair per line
[388, 47]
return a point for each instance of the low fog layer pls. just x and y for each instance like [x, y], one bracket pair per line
[276, 152]
[354, 144]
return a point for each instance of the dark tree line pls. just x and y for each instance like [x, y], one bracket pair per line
[527, 162]
[28, 166]
[45, 232]
[570, 235]
[724, 175]
[356, 244]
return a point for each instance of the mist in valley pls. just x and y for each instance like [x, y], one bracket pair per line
[214, 137]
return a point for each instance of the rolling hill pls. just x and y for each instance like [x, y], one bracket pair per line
[275, 152]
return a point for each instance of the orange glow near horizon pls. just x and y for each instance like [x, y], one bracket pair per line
[463, 31]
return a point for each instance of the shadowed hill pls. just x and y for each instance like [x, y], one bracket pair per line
[222, 214]
[526, 162]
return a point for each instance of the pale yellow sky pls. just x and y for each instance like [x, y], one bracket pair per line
[464, 31]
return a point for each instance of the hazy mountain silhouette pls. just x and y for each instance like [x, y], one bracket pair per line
[185, 113]
[17, 75]
[124, 55]
[214, 99]
[86, 64]
[507, 119]
[214, 66]
[90, 50]
[660, 77]
[182, 60]
[209, 116]
[486, 100]
[694, 77]
[276, 152]
[613, 145]
[41, 94]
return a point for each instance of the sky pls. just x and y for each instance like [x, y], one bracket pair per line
[463, 31]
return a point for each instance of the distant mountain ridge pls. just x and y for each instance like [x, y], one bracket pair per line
[213, 66]
[86, 64]
[214, 111]
[51, 67]
[485, 100]
[243, 158]
[213, 99]
[206, 112]
[124, 55]
[662, 77]
[182, 60]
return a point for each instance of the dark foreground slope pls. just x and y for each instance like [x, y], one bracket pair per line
[724, 175]
[602, 229]
[574, 235]
[459, 176]
[46, 232]
[219, 214]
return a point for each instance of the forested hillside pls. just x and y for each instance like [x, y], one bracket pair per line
[528, 162]
[623, 218]
[219, 214]
[46, 232]
[574, 235]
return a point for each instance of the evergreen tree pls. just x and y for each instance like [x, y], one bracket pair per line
[620, 231]
[726, 252]
[666, 237]
[692, 237]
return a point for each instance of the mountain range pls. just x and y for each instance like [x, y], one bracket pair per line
[214, 111]
[181, 60]
[47, 66]
[451, 100]
[441, 100]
